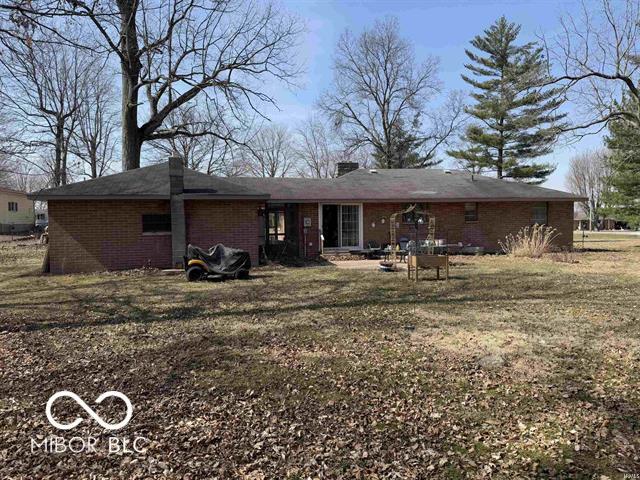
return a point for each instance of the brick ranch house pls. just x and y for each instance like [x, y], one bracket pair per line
[145, 217]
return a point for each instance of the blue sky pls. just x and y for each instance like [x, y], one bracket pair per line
[437, 27]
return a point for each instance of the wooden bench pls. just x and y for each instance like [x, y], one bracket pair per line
[416, 262]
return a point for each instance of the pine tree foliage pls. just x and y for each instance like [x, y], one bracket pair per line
[407, 149]
[623, 142]
[515, 120]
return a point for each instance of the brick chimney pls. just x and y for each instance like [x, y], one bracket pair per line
[346, 167]
[176, 200]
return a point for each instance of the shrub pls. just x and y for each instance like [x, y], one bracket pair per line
[530, 242]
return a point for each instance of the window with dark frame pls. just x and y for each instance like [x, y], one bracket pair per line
[276, 226]
[156, 223]
[539, 213]
[471, 212]
[13, 206]
[411, 217]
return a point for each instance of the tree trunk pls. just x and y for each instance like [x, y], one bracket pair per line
[130, 74]
[131, 135]
[59, 175]
[94, 163]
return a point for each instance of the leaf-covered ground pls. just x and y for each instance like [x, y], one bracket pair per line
[512, 369]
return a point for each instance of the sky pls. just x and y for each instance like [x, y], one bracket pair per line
[434, 27]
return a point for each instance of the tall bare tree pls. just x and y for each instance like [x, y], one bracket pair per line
[588, 177]
[200, 150]
[44, 88]
[93, 142]
[270, 153]
[379, 89]
[315, 149]
[597, 58]
[172, 51]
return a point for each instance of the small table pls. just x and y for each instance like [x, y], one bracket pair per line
[416, 262]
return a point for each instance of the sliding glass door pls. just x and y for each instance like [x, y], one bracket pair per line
[341, 225]
[350, 223]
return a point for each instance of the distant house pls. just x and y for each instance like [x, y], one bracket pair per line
[42, 217]
[145, 217]
[581, 222]
[16, 212]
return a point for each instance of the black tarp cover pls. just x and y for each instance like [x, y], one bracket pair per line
[220, 259]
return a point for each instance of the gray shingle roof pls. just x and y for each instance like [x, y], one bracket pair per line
[359, 185]
[402, 185]
[149, 182]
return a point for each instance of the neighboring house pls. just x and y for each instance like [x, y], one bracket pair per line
[16, 212]
[581, 222]
[42, 217]
[145, 217]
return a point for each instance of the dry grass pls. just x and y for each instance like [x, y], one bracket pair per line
[531, 242]
[320, 372]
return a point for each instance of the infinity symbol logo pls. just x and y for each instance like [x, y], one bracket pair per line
[92, 414]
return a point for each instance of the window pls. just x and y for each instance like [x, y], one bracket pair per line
[276, 226]
[13, 206]
[40, 216]
[539, 213]
[411, 217]
[471, 212]
[156, 223]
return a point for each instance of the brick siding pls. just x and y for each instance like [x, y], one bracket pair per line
[309, 210]
[107, 235]
[495, 221]
[104, 235]
[234, 223]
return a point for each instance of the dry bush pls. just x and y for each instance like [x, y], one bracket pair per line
[530, 242]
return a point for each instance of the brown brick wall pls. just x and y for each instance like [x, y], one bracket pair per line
[104, 235]
[234, 223]
[495, 221]
[107, 235]
[309, 210]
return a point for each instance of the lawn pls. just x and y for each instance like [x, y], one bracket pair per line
[514, 368]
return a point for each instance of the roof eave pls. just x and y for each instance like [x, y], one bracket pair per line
[190, 196]
[427, 199]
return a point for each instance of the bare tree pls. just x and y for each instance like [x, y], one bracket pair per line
[200, 150]
[270, 153]
[93, 142]
[171, 51]
[43, 90]
[379, 89]
[588, 177]
[316, 151]
[597, 58]
[26, 178]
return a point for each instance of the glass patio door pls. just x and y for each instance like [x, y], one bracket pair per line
[341, 226]
[350, 223]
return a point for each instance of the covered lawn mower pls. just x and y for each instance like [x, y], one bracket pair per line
[219, 261]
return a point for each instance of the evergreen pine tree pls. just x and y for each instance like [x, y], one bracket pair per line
[407, 150]
[517, 119]
[623, 198]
